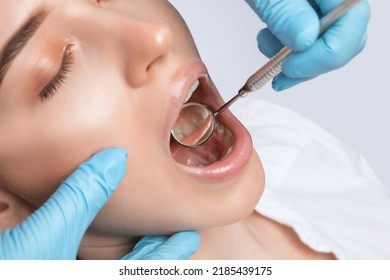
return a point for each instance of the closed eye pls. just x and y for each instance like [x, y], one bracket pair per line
[60, 78]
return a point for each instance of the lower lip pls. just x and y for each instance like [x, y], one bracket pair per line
[235, 162]
[242, 150]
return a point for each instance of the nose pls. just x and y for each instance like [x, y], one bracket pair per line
[145, 46]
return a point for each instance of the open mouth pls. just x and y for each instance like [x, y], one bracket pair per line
[222, 141]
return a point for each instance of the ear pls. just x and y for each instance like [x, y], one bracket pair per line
[13, 210]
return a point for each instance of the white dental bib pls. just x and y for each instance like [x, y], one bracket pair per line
[317, 185]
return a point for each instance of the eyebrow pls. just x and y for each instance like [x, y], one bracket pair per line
[19, 40]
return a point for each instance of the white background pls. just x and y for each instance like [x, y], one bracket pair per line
[352, 103]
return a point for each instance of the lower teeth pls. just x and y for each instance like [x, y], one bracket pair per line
[217, 149]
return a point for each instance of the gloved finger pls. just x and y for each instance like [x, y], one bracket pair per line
[91, 185]
[55, 230]
[294, 23]
[267, 43]
[337, 46]
[180, 246]
[282, 82]
[327, 5]
[145, 246]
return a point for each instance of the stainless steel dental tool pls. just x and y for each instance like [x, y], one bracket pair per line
[196, 123]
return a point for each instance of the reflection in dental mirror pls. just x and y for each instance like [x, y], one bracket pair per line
[194, 126]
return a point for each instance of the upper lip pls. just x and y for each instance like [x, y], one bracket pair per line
[192, 73]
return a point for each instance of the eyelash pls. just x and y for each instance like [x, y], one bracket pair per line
[61, 76]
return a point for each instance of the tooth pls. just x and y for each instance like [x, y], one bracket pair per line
[178, 133]
[192, 90]
[229, 151]
[198, 120]
[206, 114]
[220, 130]
[187, 128]
[228, 135]
[183, 130]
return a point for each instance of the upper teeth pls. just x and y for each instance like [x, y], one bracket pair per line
[192, 90]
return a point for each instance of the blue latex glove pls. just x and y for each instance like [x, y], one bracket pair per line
[179, 246]
[295, 24]
[55, 230]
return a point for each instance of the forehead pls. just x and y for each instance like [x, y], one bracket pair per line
[13, 14]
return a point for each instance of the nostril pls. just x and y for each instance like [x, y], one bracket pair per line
[3, 206]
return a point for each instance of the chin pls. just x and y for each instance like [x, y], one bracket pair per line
[240, 198]
[216, 205]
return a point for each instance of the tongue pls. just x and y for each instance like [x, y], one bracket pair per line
[202, 156]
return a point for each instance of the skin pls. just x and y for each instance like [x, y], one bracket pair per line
[114, 84]
[128, 58]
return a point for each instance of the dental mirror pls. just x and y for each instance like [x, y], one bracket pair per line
[196, 123]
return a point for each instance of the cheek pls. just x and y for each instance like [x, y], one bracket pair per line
[47, 144]
[155, 198]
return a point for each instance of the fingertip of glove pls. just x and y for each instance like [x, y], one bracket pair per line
[106, 168]
[281, 83]
[89, 187]
[304, 38]
[113, 153]
[190, 238]
[111, 164]
[299, 28]
[267, 43]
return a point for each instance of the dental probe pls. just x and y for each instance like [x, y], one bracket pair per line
[200, 122]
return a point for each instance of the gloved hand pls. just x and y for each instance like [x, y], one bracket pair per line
[55, 230]
[179, 246]
[295, 24]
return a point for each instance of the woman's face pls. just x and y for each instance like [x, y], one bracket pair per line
[90, 75]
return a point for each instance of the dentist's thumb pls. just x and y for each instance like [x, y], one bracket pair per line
[55, 230]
